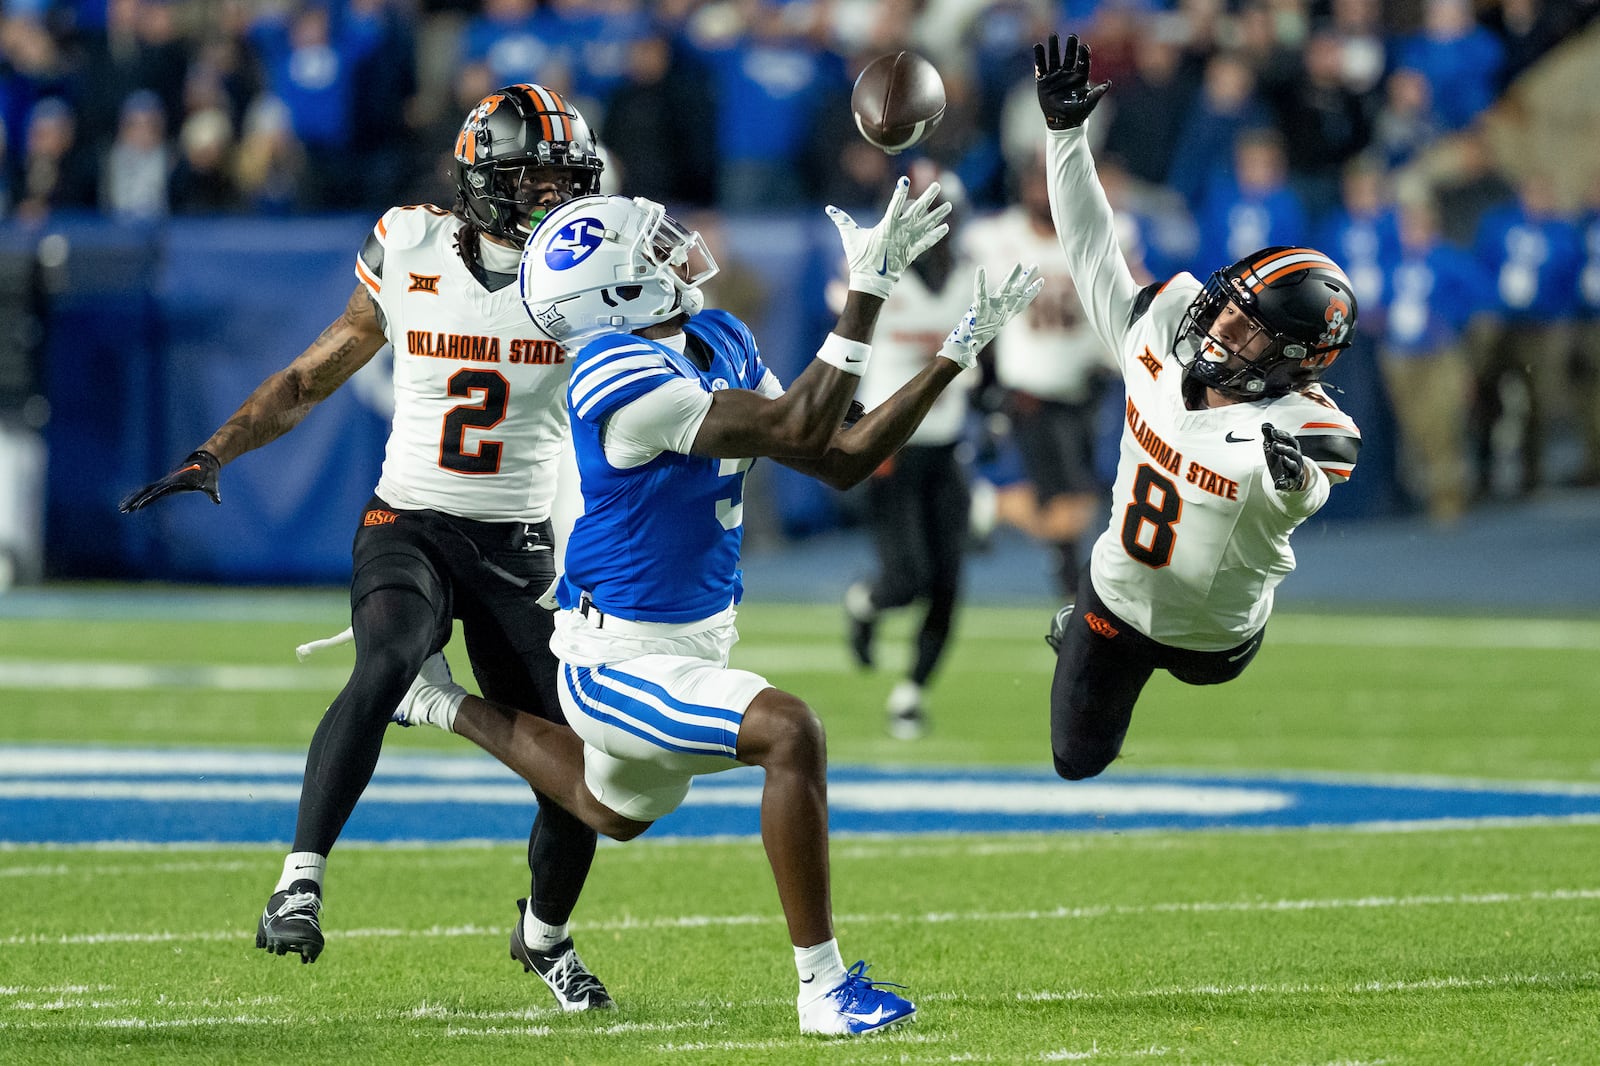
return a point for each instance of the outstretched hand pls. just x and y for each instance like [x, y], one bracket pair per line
[989, 313]
[1285, 463]
[197, 474]
[878, 256]
[1062, 81]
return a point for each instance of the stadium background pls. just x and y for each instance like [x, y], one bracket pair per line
[139, 320]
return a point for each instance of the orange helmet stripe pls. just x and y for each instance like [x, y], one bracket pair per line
[1278, 264]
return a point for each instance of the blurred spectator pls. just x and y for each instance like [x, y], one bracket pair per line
[1228, 106]
[1253, 207]
[1051, 369]
[1467, 183]
[518, 41]
[1323, 122]
[1461, 60]
[134, 179]
[1435, 289]
[31, 69]
[1586, 350]
[602, 35]
[1534, 254]
[57, 173]
[1151, 108]
[384, 80]
[430, 178]
[1358, 27]
[141, 47]
[311, 66]
[1362, 235]
[1527, 29]
[768, 76]
[225, 71]
[1405, 123]
[657, 126]
[202, 181]
[269, 161]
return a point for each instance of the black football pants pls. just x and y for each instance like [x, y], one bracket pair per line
[918, 513]
[1101, 668]
[415, 571]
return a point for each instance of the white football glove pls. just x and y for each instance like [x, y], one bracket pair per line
[878, 256]
[989, 313]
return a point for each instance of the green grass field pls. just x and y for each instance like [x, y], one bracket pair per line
[1478, 943]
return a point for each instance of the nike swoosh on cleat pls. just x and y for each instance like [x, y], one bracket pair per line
[866, 1019]
[1231, 439]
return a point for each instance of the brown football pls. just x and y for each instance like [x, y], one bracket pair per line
[898, 100]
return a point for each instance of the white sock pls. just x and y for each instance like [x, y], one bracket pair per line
[858, 602]
[821, 969]
[539, 936]
[435, 695]
[905, 696]
[302, 866]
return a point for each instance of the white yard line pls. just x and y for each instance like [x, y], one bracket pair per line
[762, 655]
[700, 921]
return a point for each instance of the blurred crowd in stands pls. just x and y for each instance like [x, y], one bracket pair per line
[1233, 124]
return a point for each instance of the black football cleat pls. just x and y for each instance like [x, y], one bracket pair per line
[290, 922]
[575, 988]
[1058, 628]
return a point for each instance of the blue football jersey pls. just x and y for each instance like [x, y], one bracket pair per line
[658, 542]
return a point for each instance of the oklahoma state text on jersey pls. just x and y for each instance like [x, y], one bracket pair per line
[479, 411]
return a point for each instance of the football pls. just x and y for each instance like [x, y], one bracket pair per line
[897, 101]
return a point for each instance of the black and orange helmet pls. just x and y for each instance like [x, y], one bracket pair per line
[1297, 297]
[510, 132]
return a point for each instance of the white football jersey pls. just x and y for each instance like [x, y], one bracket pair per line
[1199, 537]
[1048, 351]
[479, 395]
[912, 324]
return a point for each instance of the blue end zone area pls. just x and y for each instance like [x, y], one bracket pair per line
[96, 795]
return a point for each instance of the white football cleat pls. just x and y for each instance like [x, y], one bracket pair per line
[433, 697]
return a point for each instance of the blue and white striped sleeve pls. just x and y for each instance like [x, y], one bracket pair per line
[611, 372]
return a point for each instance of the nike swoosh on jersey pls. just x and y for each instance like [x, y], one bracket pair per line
[1231, 439]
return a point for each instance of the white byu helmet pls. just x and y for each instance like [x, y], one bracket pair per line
[602, 264]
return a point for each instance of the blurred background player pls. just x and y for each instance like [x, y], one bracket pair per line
[1208, 490]
[1051, 368]
[670, 407]
[459, 527]
[917, 500]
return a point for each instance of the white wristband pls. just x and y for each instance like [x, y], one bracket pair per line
[849, 356]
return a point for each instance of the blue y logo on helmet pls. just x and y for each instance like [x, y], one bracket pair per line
[573, 243]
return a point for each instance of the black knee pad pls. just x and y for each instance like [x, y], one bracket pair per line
[400, 568]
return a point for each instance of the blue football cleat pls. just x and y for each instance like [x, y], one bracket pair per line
[855, 1007]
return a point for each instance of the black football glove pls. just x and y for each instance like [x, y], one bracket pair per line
[197, 474]
[1287, 466]
[1062, 81]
